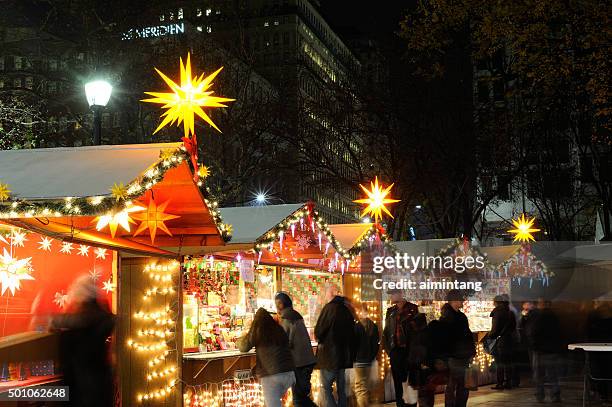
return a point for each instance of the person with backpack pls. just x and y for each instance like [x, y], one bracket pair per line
[396, 340]
[369, 342]
[301, 349]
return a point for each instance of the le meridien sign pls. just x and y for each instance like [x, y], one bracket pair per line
[154, 31]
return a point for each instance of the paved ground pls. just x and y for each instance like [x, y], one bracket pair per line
[571, 393]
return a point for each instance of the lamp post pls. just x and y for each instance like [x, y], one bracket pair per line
[98, 93]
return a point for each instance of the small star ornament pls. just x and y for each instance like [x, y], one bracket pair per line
[5, 192]
[119, 191]
[66, 248]
[60, 299]
[203, 171]
[83, 250]
[18, 238]
[13, 271]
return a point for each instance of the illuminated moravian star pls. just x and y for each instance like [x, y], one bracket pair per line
[523, 229]
[376, 200]
[186, 100]
[12, 271]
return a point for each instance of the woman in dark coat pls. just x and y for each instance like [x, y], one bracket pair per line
[274, 363]
[503, 328]
[84, 356]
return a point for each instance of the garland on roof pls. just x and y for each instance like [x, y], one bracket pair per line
[524, 265]
[367, 239]
[119, 199]
[462, 247]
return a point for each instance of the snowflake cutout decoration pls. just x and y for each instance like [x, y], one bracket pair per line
[66, 248]
[18, 238]
[95, 275]
[45, 244]
[108, 286]
[60, 299]
[302, 242]
[83, 250]
[100, 253]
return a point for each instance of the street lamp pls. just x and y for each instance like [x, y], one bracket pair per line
[98, 93]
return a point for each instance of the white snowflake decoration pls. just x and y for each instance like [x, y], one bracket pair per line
[108, 285]
[66, 248]
[60, 299]
[100, 253]
[12, 271]
[83, 250]
[45, 244]
[18, 238]
[302, 242]
[95, 275]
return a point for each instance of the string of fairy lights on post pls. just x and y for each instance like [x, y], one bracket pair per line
[154, 339]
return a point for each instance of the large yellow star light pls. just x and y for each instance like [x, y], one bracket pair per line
[187, 99]
[376, 200]
[523, 229]
[114, 220]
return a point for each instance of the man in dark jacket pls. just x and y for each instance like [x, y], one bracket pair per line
[369, 342]
[544, 335]
[396, 340]
[461, 348]
[301, 349]
[336, 348]
[503, 328]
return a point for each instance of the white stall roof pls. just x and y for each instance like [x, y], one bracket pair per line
[251, 222]
[49, 173]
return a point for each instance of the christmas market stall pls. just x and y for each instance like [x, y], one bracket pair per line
[273, 248]
[123, 215]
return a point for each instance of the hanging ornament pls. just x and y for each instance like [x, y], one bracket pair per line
[119, 191]
[302, 242]
[108, 286]
[5, 192]
[100, 253]
[259, 257]
[18, 238]
[186, 100]
[113, 220]
[293, 230]
[12, 271]
[280, 239]
[376, 200]
[153, 218]
[45, 244]
[523, 229]
[66, 248]
[326, 248]
[319, 236]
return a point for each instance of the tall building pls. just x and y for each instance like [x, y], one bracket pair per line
[286, 49]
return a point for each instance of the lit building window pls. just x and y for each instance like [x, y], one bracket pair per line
[266, 24]
[29, 82]
[275, 22]
[198, 12]
[18, 63]
[17, 82]
[208, 29]
[208, 11]
[199, 28]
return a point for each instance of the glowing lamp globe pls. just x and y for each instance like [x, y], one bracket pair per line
[98, 93]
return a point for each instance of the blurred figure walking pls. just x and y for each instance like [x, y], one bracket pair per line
[301, 349]
[369, 342]
[274, 366]
[544, 333]
[84, 356]
[461, 349]
[503, 330]
[337, 344]
[396, 340]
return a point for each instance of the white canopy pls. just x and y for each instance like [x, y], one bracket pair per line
[249, 223]
[50, 173]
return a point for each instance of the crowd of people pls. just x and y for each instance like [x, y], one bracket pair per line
[424, 356]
